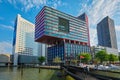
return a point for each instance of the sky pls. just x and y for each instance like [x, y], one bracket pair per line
[28, 9]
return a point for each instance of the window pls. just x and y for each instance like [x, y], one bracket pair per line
[63, 25]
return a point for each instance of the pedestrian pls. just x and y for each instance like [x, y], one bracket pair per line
[86, 69]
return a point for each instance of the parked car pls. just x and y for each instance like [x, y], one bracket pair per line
[113, 67]
[101, 67]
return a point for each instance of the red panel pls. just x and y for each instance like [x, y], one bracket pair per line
[51, 40]
[87, 30]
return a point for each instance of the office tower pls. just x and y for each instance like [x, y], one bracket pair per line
[23, 42]
[106, 33]
[65, 35]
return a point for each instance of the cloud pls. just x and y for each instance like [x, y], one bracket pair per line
[100, 9]
[103, 8]
[12, 2]
[97, 11]
[7, 27]
[26, 5]
[117, 28]
[56, 3]
[118, 45]
[5, 47]
[93, 39]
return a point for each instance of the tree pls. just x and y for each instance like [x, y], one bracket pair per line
[85, 57]
[119, 57]
[102, 56]
[41, 59]
[96, 61]
[57, 60]
[113, 58]
[74, 61]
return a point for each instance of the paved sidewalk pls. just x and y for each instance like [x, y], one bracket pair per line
[85, 76]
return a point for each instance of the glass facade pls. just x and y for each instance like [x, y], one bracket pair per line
[54, 27]
[55, 51]
[63, 25]
[23, 41]
[66, 51]
[106, 33]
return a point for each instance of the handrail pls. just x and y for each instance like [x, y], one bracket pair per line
[93, 74]
[71, 74]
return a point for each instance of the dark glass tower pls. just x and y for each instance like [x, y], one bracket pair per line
[106, 33]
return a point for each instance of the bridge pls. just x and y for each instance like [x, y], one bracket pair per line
[78, 73]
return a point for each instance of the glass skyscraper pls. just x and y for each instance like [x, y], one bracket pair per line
[23, 41]
[106, 33]
[65, 35]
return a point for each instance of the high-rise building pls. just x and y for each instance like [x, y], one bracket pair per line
[23, 41]
[65, 35]
[106, 33]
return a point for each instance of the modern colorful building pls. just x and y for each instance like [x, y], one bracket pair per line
[65, 35]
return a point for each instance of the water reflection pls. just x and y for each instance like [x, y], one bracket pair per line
[7, 73]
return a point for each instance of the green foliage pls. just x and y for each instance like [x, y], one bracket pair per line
[41, 59]
[74, 61]
[96, 61]
[102, 56]
[119, 58]
[87, 57]
[56, 60]
[113, 58]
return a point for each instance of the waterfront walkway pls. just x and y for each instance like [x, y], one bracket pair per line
[79, 75]
[50, 67]
[82, 74]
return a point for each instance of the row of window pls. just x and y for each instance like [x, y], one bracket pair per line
[70, 50]
[54, 26]
[63, 14]
[56, 34]
[41, 13]
[55, 51]
[54, 19]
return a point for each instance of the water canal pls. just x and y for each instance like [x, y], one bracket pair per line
[7, 73]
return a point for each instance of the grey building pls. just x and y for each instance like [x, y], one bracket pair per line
[106, 33]
[5, 59]
[96, 49]
[27, 59]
